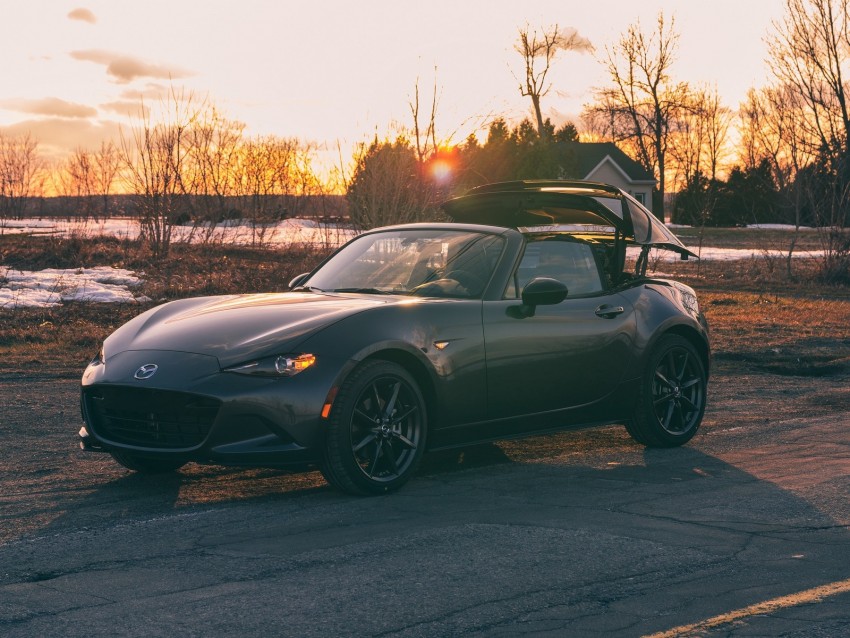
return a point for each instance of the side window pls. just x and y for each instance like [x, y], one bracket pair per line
[571, 263]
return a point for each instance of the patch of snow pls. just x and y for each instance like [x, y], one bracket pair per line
[52, 286]
[732, 254]
[121, 227]
[237, 231]
[777, 226]
[755, 226]
[709, 253]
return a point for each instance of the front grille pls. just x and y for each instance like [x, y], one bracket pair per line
[150, 418]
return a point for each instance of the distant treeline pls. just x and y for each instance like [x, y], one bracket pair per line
[194, 208]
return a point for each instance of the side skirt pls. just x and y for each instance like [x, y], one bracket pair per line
[614, 408]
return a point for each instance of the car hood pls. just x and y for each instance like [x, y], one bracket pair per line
[236, 328]
[551, 203]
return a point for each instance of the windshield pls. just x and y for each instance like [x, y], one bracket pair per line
[426, 262]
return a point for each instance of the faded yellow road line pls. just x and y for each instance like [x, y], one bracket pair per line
[813, 595]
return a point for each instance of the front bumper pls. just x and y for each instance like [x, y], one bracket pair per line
[191, 409]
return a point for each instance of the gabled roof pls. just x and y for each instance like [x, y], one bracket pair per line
[589, 155]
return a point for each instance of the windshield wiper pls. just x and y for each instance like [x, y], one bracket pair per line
[307, 289]
[367, 291]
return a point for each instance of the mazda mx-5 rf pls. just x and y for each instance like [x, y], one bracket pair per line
[518, 317]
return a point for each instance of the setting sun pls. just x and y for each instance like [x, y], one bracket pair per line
[443, 165]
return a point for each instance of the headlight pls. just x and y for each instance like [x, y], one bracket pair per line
[285, 365]
[688, 297]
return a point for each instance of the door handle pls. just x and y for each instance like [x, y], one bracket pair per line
[609, 312]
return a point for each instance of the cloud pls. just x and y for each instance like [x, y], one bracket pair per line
[128, 108]
[52, 106]
[58, 137]
[153, 91]
[125, 68]
[82, 14]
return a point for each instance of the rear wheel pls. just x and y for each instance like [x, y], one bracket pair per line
[376, 430]
[671, 400]
[146, 464]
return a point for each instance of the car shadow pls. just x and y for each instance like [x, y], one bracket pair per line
[568, 469]
[133, 496]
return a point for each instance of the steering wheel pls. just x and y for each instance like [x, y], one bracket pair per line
[472, 282]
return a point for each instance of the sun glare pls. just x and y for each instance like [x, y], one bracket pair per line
[441, 171]
[443, 164]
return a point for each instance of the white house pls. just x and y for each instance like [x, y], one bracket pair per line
[604, 162]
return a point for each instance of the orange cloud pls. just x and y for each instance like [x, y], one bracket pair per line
[153, 91]
[128, 108]
[82, 14]
[58, 137]
[51, 106]
[125, 68]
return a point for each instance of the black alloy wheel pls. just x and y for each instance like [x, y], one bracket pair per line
[377, 430]
[672, 395]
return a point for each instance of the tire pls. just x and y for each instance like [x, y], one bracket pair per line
[671, 398]
[376, 430]
[146, 464]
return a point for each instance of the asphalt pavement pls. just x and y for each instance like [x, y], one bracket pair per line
[744, 532]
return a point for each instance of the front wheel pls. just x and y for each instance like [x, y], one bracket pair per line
[146, 464]
[671, 400]
[376, 430]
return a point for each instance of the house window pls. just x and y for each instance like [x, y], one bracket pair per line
[640, 197]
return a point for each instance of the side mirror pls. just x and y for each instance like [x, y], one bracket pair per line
[298, 280]
[543, 291]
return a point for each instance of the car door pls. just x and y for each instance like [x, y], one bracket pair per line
[554, 357]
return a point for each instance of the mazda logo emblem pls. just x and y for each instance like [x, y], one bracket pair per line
[146, 371]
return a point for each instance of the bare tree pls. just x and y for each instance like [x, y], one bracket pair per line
[642, 101]
[214, 157]
[301, 180]
[154, 155]
[269, 177]
[769, 122]
[810, 52]
[81, 181]
[426, 140]
[718, 119]
[106, 166]
[20, 166]
[687, 144]
[84, 176]
[699, 135]
[538, 51]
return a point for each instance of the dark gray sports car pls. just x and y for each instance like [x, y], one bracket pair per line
[517, 318]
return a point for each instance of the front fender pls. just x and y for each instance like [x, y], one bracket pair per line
[444, 337]
[671, 315]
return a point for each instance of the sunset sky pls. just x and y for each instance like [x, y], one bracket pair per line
[335, 71]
